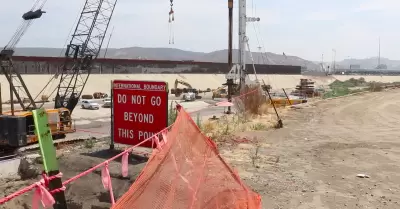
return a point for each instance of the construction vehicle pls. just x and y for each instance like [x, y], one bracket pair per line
[220, 92]
[188, 94]
[17, 127]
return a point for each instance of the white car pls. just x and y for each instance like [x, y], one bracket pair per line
[88, 104]
[107, 102]
[189, 96]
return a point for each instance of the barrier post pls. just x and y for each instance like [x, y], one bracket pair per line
[1, 102]
[112, 146]
[280, 123]
[48, 152]
[287, 97]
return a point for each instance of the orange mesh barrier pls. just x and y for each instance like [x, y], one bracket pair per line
[188, 173]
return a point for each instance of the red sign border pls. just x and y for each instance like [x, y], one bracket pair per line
[112, 142]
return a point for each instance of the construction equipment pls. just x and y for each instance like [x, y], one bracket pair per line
[17, 126]
[305, 89]
[189, 93]
[235, 75]
[83, 48]
[220, 92]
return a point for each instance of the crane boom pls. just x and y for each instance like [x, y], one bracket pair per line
[83, 48]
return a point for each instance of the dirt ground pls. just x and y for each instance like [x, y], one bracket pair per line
[87, 192]
[312, 162]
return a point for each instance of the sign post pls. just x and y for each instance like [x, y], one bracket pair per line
[139, 110]
[48, 152]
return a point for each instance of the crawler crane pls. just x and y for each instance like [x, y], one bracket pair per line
[16, 126]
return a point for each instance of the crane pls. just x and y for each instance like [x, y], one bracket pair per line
[17, 129]
[17, 84]
[83, 48]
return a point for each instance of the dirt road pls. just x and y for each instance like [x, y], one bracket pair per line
[313, 162]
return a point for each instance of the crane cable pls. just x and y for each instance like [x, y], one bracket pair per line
[257, 25]
[251, 57]
[49, 89]
[264, 56]
[171, 21]
[39, 4]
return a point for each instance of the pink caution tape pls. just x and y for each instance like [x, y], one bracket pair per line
[155, 137]
[124, 163]
[42, 195]
[106, 180]
[105, 177]
[164, 135]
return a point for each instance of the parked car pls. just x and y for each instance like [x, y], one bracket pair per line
[107, 102]
[88, 104]
[107, 99]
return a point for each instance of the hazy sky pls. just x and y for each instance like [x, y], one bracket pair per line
[306, 28]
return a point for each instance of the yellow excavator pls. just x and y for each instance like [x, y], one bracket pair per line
[220, 92]
[189, 93]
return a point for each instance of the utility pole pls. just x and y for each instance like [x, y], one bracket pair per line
[243, 39]
[229, 82]
[334, 61]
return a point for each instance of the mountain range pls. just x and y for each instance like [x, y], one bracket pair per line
[215, 56]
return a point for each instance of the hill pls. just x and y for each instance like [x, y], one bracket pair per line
[177, 54]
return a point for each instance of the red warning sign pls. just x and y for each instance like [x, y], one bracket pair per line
[140, 110]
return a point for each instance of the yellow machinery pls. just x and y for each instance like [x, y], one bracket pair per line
[282, 102]
[190, 93]
[220, 92]
[177, 91]
[60, 123]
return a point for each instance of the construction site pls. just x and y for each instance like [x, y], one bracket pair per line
[83, 132]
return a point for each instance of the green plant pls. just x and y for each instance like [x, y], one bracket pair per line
[89, 143]
[258, 127]
[198, 120]
[172, 114]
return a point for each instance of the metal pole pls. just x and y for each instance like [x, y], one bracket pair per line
[287, 97]
[242, 42]
[280, 123]
[112, 146]
[1, 102]
[230, 81]
[11, 96]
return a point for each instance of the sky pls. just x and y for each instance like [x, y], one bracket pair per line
[306, 28]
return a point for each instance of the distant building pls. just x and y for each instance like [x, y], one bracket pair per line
[381, 66]
[355, 67]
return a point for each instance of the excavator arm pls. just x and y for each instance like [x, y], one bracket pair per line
[184, 83]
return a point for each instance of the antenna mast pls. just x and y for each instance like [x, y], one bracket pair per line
[242, 41]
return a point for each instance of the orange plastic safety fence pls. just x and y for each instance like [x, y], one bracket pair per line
[188, 173]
